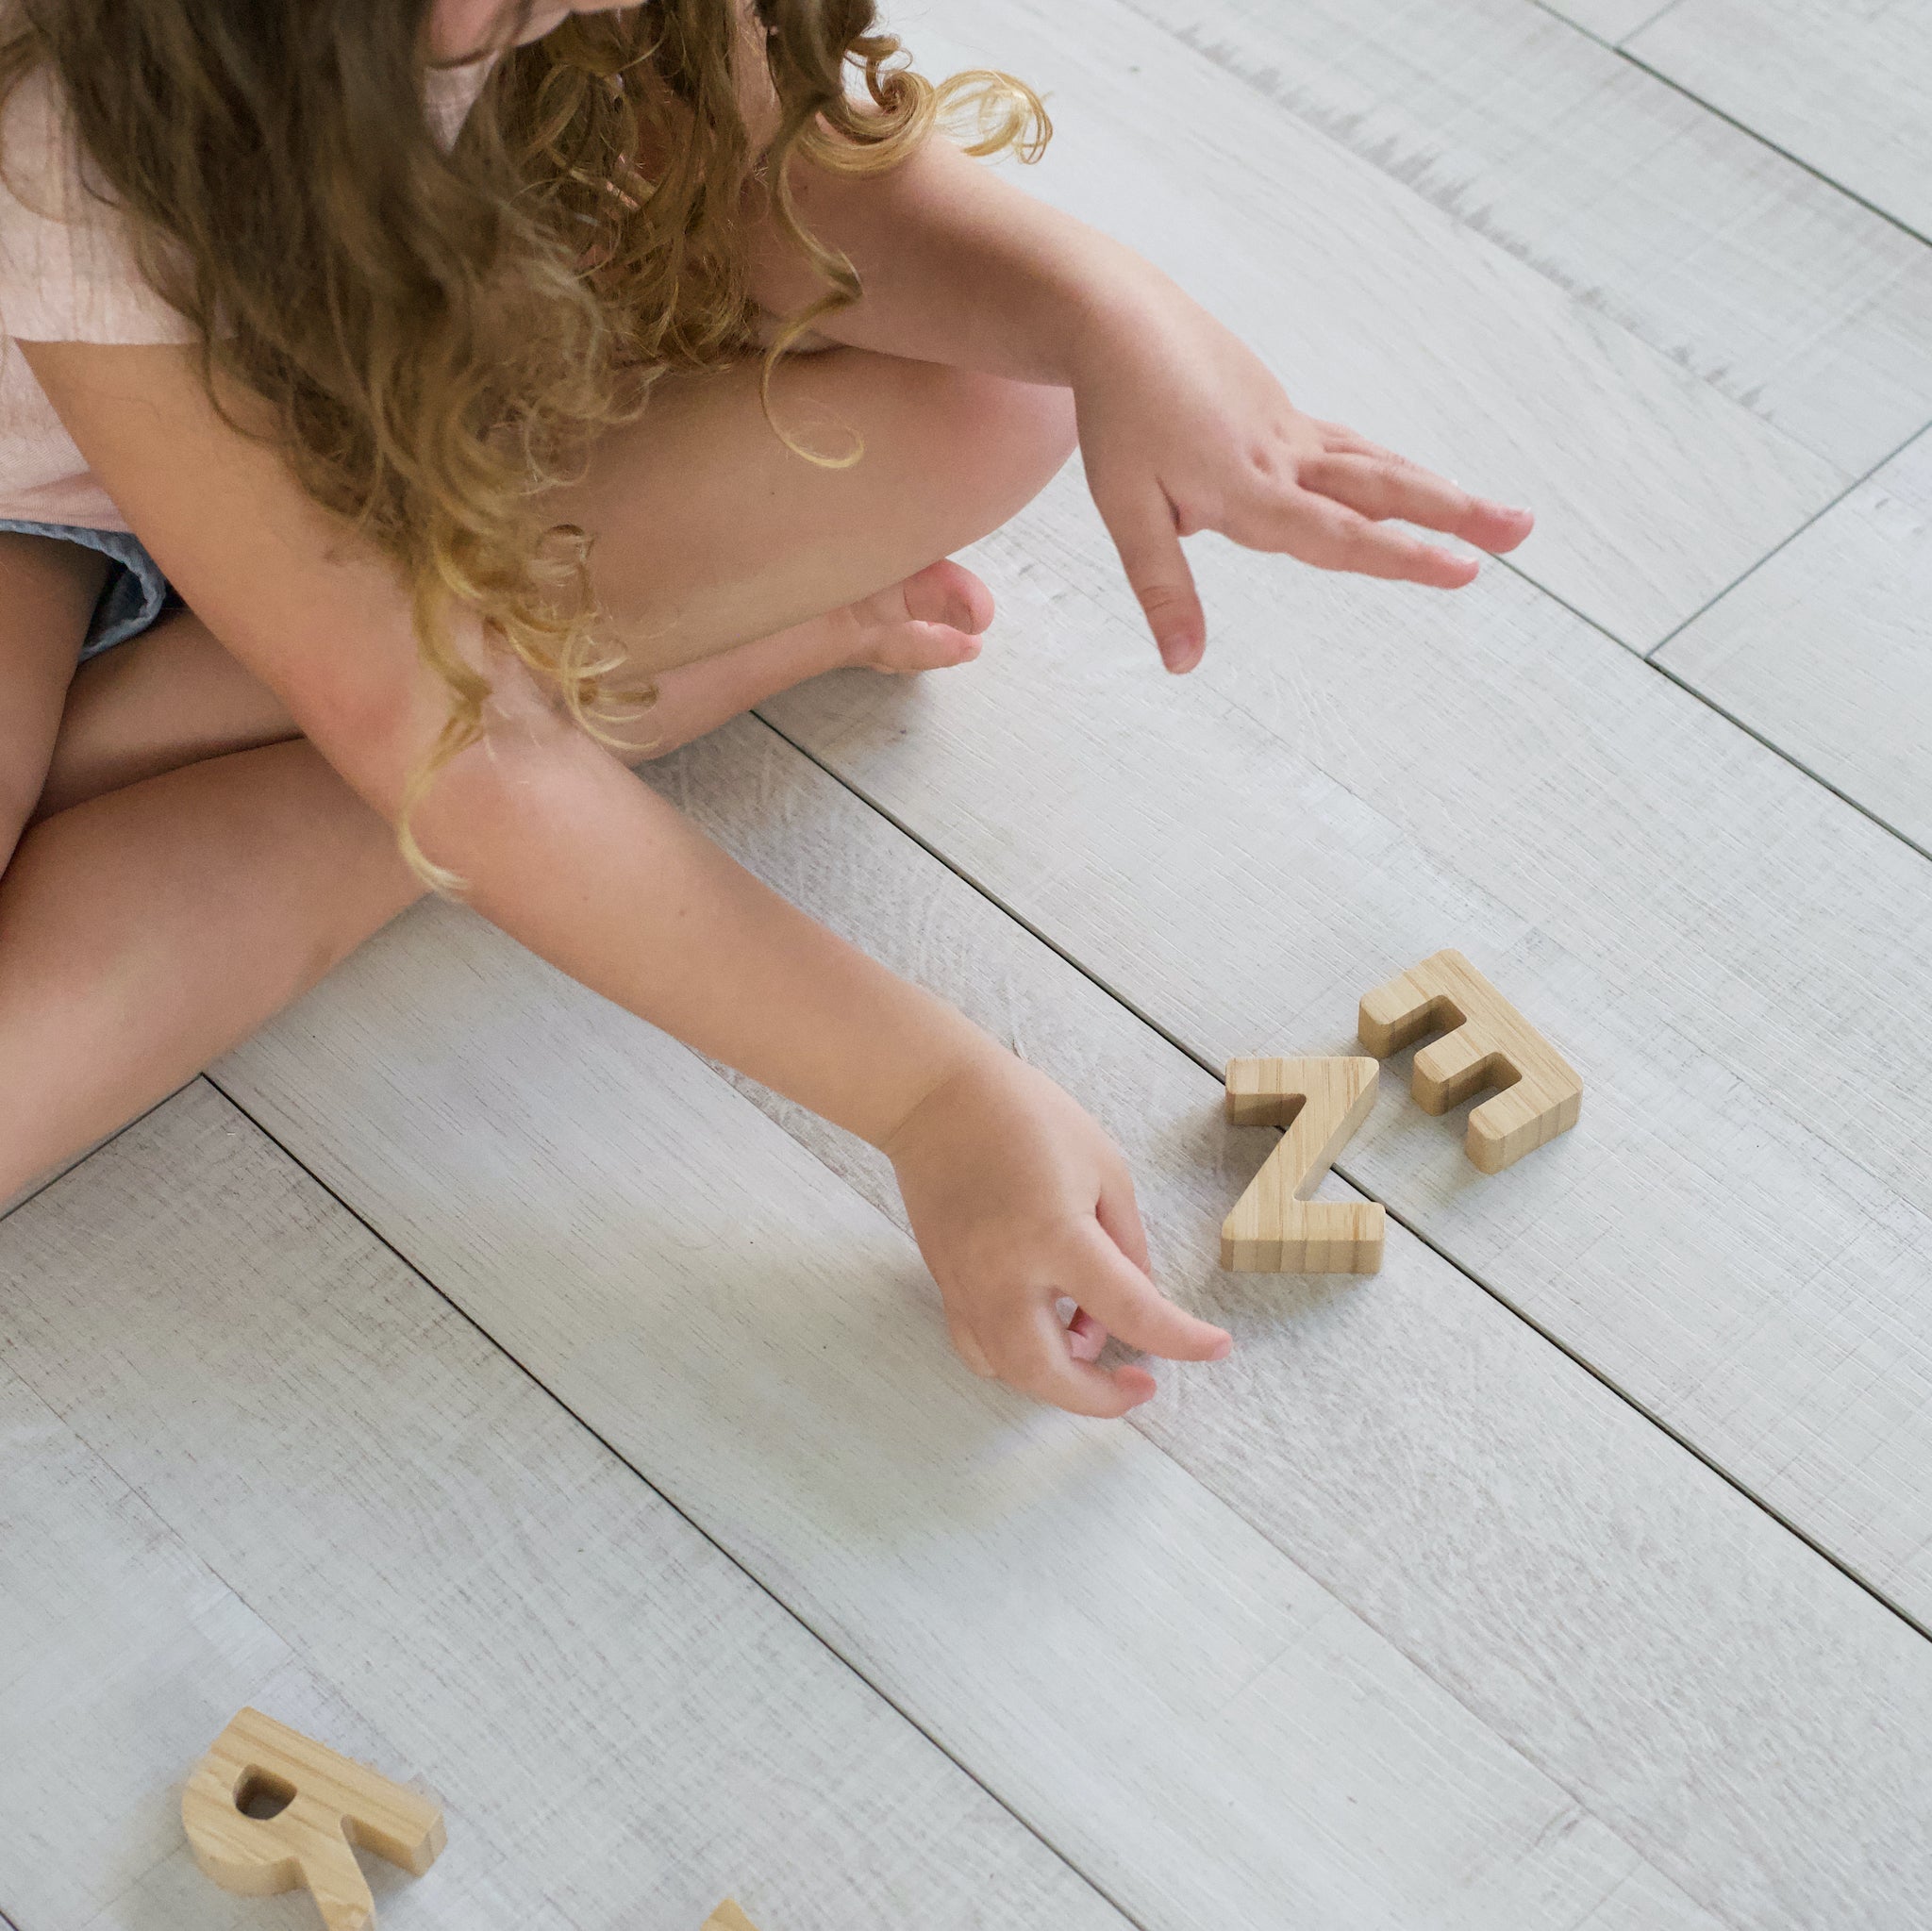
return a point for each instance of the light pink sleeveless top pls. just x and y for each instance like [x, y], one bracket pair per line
[67, 275]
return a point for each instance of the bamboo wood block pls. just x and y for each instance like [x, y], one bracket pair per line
[332, 1802]
[728, 1917]
[1485, 1043]
[1275, 1228]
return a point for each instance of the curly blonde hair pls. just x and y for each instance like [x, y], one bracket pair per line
[437, 335]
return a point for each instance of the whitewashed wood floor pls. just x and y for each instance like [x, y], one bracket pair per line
[486, 1384]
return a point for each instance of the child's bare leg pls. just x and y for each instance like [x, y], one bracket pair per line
[144, 930]
[173, 697]
[219, 887]
[709, 530]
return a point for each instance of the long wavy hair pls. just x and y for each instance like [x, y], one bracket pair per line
[433, 335]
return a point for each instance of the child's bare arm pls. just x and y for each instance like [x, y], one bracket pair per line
[1182, 427]
[569, 854]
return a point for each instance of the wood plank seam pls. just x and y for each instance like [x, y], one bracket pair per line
[1622, 48]
[1797, 161]
[1785, 756]
[1092, 1880]
[1783, 543]
[1353, 1178]
[768, 815]
[1730, 279]
[1360, 1183]
[1614, 46]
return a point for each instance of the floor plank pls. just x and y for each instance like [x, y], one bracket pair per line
[1826, 648]
[1166, 1696]
[1840, 86]
[273, 1466]
[1612, 1608]
[1739, 1234]
[1782, 292]
[1383, 310]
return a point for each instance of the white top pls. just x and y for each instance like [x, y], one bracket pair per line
[67, 273]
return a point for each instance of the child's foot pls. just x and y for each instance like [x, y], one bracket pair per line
[928, 623]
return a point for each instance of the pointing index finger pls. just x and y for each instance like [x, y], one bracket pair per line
[1142, 529]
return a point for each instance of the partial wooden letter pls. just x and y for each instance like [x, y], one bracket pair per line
[1275, 1227]
[330, 1802]
[1485, 1043]
[728, 1917]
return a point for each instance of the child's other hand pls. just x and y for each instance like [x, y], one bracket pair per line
[1020, 1202]
[1182, 428]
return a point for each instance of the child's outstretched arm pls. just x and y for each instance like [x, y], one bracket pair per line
[1182, 427]
[1017, 1197]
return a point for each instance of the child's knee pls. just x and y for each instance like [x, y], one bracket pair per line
[1024, 427]
[1010, 439]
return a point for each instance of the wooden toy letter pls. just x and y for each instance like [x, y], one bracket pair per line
[728, 1917]
[328, 1802]
[1275, 1227]
[1486, 1043]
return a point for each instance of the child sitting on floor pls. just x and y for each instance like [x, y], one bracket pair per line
[406, 421]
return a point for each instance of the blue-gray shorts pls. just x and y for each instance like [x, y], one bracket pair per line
[135, 597]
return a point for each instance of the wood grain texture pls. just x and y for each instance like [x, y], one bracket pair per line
[1780, 291]
[1738, 1235]
[1160, 1691]
[1841, 86]
[1484, 1046]
[1756, 1726]
[1825, 649]
[1382, 310]
[275, 1467]
[329, 1804]
[1275, 1227]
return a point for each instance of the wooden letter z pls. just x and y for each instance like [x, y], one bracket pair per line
[1486, 1043]
[328, 1802]
[1275, 1227]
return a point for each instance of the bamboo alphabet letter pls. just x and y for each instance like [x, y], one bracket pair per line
[728, 1917]
[1275, 1227]
[1485, 1043]
[327, 1803]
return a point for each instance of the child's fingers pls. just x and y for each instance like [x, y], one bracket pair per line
[1380, 487]
[1331, 536]
[1085, 1335]
[1128, 1304]
[1119, 1213]
[1142, 529]
[1339, 436]
[1036, 1358]
[1501, 530]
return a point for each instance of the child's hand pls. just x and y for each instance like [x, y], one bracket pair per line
[1182, 428]
[1020, 1201]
